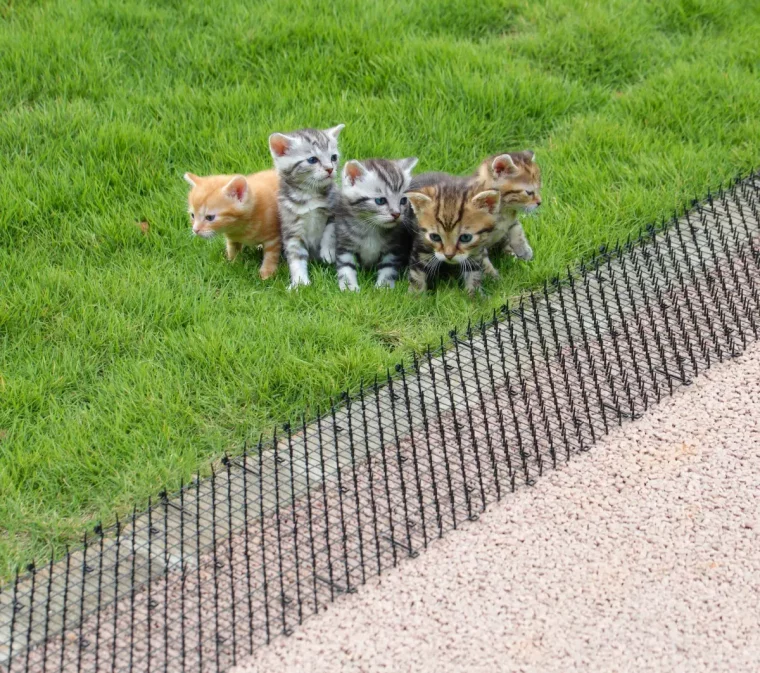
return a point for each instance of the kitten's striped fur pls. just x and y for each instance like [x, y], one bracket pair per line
[306, 162]
[369, 223]
[453, 221]
[518, 178]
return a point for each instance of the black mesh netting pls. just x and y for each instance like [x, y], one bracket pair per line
[206, 575]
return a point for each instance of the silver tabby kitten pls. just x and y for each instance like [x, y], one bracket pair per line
[369, 220]
[306, 162]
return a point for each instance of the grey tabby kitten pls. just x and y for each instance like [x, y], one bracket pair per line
[370, 225]
[306, 162]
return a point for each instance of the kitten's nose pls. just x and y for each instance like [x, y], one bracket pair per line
[329, 170]
[538, 200]
[449, 255]
[395, 215]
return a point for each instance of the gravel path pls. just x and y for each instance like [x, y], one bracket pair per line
[643, 555]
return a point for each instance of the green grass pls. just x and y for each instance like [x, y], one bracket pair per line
[128, 361]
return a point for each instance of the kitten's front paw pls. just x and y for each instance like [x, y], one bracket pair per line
[267, 272]
[476, 293]
[327, 254]
[295, 283]
[519, 249]
[350, 285]
[489, 269]
[526, 254]
[389, 283]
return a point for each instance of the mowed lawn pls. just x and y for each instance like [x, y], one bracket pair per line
[132, 356]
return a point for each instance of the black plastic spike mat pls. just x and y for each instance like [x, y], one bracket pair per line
[209, 574]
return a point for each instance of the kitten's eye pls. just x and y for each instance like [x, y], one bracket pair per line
[529, 193]
[403, 201]
[192, 216]
[381, 200]
[435, 238]
[210, 218]
[312, 160]
[334, 158]
[465, 238]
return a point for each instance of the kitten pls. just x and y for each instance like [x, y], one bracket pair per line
[306, 162]
[453, 220]
[243, 208]
[518, 178]
[369, 222]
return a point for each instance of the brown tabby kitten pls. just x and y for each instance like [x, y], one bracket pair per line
[518, 178]
[243, 208]
[452, 220]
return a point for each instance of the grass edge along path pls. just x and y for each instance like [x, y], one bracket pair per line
[132, 356]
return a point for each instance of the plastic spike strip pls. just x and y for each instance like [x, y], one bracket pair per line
[207, 575]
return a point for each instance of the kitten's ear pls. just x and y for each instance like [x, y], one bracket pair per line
[353, 171]
[530, 154]
[237, 188]
[279, 144]
[407, 165]
[419, 201]
[488, 201]
[502, 166]
[192, 179]
[334, 132]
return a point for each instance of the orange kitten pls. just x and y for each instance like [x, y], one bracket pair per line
[243, 208]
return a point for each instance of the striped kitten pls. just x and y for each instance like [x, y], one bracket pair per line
[369, 225]
[453, 219]
[306, 162]
[518, 178]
